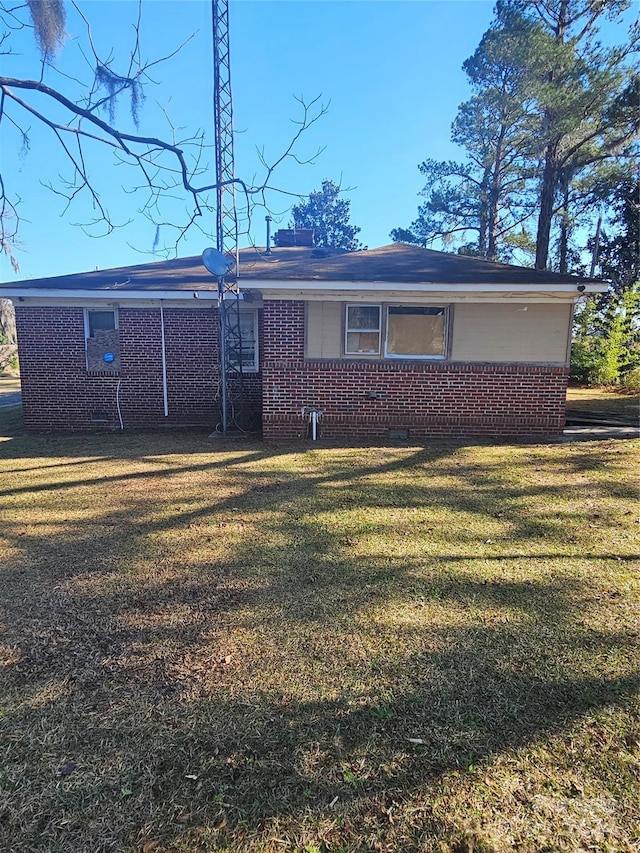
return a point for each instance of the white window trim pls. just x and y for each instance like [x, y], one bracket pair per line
[255, 367]
[378, 331]
[116, 323]
[396, 356]
[114, 311]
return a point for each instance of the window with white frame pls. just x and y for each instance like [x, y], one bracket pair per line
[415, 331]
[406, 331]
[99, 320]
[102, 341]
[249, 338]
[363, 330]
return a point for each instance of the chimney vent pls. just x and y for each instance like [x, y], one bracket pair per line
[286, 237]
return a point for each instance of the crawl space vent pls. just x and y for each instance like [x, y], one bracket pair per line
[398, 433]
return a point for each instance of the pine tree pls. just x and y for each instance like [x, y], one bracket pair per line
[328, 215]
[584, 95]
[551, 109]
[489, 195]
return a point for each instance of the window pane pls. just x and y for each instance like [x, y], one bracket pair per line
[415, 331]
[247, 327]
[248, 335]
[363, 317]
[365, 342]
[101, 321]
[363, 329]
[248, 354]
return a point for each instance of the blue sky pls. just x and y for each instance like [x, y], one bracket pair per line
[390, 72]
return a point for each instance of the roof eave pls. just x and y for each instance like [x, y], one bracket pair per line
[266, 285]
[110, 295]
[421, 287]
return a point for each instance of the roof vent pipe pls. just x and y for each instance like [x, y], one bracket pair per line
[267, 219]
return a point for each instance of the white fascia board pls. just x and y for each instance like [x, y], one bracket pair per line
[302, 286]
[417, 287]
[107, 295]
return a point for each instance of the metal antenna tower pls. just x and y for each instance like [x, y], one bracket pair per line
[226, 220]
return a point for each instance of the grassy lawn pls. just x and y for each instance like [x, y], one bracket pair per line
[238, 647]
[9, 382]
[604, 401]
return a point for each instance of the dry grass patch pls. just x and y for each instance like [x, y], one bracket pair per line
[318, 649]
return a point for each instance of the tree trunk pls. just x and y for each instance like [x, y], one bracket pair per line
[564, 225]
[483, 215]
[547, 194]
[550, 174]
[494, 197]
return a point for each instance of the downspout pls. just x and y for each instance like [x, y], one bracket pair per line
[165, 395]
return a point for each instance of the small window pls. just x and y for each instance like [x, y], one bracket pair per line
[415, 332]
[249, 338]
[362, 330]
[102, 340]
[100, 321]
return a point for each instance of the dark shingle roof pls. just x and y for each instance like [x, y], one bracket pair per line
[398, 262]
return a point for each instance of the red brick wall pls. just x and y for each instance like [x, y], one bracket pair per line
[59, 394]
[365, 399]
[360, 399]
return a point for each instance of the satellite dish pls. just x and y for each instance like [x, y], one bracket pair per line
[215, 262]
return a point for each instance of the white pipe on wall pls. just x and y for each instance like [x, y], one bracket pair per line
[165, 393]
[118, 387]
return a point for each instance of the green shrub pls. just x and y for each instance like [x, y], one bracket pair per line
[585, 357]
[631, 380]
[606, 348]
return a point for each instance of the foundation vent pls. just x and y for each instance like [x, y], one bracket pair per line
[398, 433]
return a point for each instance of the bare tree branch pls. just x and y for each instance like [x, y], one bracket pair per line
[170, 169]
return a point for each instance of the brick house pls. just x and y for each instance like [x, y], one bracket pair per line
[396, 341]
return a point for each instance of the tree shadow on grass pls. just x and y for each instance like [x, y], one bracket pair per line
[238, 762]
[236, 691]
